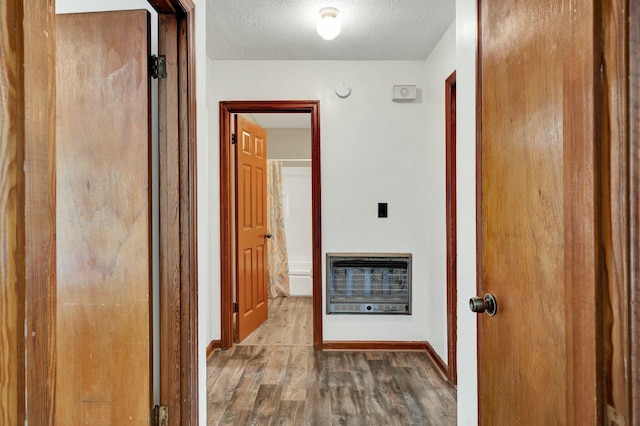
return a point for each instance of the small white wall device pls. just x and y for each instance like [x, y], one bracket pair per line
[404, 92]
[343, 90]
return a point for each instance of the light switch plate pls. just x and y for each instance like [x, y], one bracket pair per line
[382, 210]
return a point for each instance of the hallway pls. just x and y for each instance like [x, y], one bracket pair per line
[284, 381]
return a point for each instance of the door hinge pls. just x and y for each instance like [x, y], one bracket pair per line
[160, 415]
[614, 418]
[234, 139]
[158, 66]
[236, 308]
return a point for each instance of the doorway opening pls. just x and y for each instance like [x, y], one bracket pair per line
[228, 109]
[288, 247]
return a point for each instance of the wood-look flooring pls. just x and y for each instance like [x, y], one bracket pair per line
[286, 383]
[290, 323]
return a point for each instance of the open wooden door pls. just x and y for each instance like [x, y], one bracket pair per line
[538, 354]
[251, 226]
[103, 221]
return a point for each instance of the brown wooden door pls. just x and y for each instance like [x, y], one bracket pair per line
[251, 226]
[103, 219]
[530, 109]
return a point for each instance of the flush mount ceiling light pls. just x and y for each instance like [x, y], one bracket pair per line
[328, 26]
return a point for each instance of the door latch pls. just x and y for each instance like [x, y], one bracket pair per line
[479, 305]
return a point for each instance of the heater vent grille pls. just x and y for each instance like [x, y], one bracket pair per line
[369, 283]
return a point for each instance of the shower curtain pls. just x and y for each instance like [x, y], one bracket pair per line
[277, 258]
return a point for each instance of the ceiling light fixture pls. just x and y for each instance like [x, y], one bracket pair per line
[328, 26]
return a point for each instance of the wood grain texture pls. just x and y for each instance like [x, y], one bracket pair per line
[227, 109]
[214, 344]
[182, 13]
[613, 177]
[316, 220]
[40, 205]
[451, 224]
[521, 352]
[188, 210]
[103, 220]
[290, 323]
[40, 208]
[634, 204]
[168, 7]
[226, 232]
[169, 218]
[11, 215]
[250, 226]
[583, 289]
[297, 385]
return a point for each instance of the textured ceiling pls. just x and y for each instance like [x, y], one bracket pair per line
[286, 29]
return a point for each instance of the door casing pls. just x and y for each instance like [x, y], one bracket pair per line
[633, 89]
[227, 109]
[452, 241]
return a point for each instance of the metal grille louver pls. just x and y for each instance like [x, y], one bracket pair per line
[369, 283]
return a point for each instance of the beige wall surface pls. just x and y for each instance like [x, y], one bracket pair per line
[288, 143]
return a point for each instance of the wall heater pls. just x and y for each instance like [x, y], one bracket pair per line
[369, 283]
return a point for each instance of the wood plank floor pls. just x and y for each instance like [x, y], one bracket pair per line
[290, 323]
[279, 383]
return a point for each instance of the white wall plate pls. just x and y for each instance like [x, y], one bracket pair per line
[404, 92]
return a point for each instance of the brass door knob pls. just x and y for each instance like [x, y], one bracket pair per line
[488, 304]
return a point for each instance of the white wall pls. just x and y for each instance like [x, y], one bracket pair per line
[289, 143]
[297, 212]
[438, 66]
[466, 30]
[295, 143]
[365, 142]
[296, 199]
[373, 150]
[208, 219]
[205, 245]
